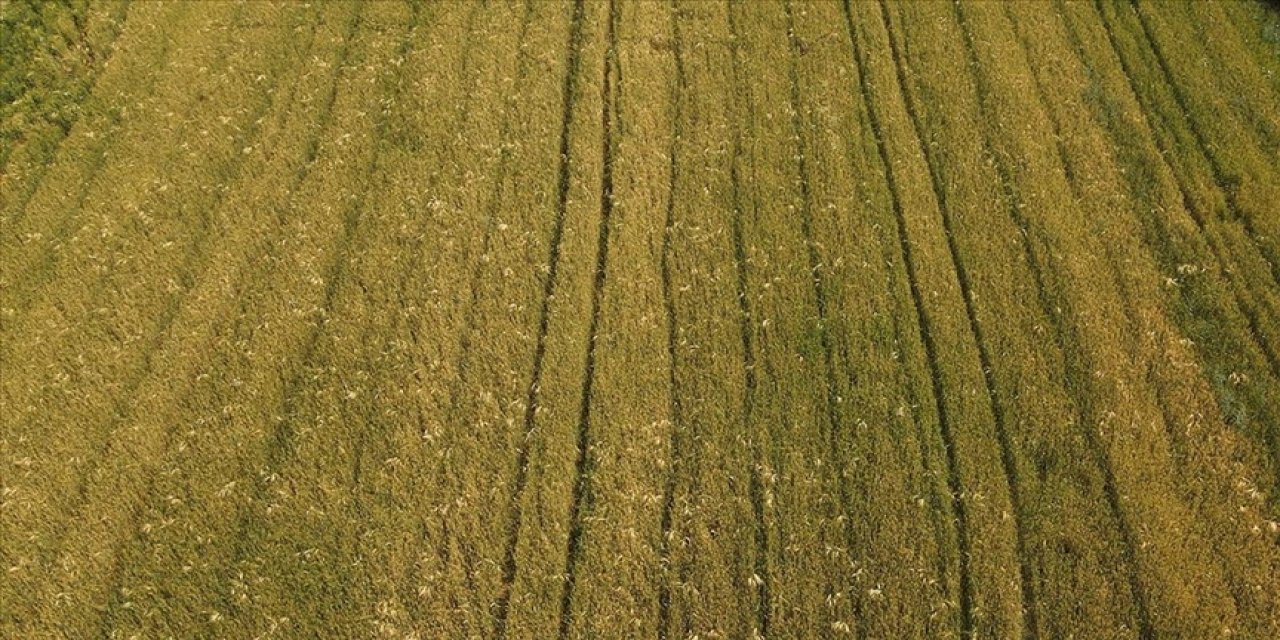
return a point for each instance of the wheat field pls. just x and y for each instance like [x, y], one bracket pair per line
[681, 319]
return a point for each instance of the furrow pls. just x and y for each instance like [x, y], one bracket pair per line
[280, 446]
[749, 356]
[1240, 289]
[815, 268]
[64, 132]
[938, 509]
[676, 443]
[502, 604]
[1096, 448]
[1206, 149]
[582, 497]
[931, 349]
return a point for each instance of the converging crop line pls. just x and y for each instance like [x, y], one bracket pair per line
[115, 596]
[1268, 129]
[459, 380]
[820, 300]
[280, 447]
[1236, 285]
[1215, 165]
[583, 499]
[1220, 182]
[937, 508]
[463, 113]
[1037, 271]
[123, 407]
[491, 212]
[764, 587]
[502, 605]
[931, 348]
[676, 406]
[1060, 145]
[1012, 205]
[1075, 370]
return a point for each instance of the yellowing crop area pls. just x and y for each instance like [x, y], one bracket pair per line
[620, 319]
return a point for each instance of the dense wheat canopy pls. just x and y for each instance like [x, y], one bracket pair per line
[620, 319]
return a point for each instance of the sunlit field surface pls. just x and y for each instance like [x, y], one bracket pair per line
[614, 319]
